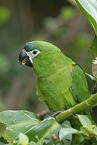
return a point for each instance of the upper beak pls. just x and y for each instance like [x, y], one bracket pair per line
[24, 58]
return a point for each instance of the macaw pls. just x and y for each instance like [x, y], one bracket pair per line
[61, 83]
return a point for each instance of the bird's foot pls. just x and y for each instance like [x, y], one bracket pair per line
[57, 112]
[54, 114]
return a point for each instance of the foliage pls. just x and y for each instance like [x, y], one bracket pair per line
[4, 15]
[93, 48]
[67, 12]
[89, 9]
[24, 127]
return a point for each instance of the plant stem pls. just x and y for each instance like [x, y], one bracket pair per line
[83, 106]
[94, 86]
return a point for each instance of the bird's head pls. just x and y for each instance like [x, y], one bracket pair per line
[36, 50]
[44, 57]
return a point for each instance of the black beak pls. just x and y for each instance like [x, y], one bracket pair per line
[24, 58]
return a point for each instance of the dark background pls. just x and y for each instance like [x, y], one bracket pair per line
[59, 22]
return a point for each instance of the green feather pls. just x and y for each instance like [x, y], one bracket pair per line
[60, 82]
[79, 84]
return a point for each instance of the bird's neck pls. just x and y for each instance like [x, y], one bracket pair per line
[49, 64]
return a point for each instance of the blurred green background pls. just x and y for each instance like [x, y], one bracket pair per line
[60, 22]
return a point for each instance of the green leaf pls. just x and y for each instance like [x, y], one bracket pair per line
[66, 124]
[23, 139]
[89, 9]
[43, 129]
[29, 124]
[32, 143]
[79, 139]
[66, 133]
[85, 121]
[95, 131]
[2, 128]
[17, 121]
[93, 48]
[92, 131]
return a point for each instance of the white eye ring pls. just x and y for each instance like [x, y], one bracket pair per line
[33, 54]
[35, 51]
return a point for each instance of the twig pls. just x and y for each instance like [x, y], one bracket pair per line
[85, 105]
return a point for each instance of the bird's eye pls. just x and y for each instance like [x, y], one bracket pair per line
[34, 51]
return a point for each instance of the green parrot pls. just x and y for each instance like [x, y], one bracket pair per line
[61, 83]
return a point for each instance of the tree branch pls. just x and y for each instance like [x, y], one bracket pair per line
[85, 105]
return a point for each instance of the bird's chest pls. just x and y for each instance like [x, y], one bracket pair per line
[55, 84]
[55, 89]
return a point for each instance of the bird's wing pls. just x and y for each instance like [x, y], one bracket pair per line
[79, 84]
